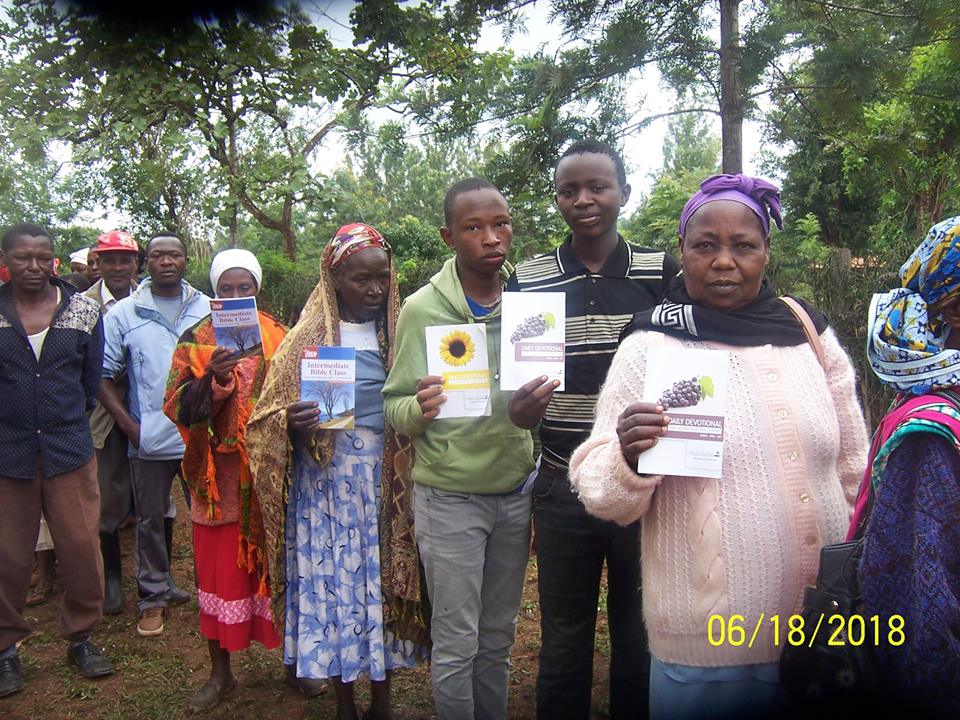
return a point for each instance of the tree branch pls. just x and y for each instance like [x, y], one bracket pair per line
[867, 11]
[651, 118]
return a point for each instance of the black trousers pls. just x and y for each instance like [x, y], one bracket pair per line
[572, 547]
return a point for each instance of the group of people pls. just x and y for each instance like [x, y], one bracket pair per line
[368, 550]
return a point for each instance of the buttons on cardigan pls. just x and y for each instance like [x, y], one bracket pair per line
[782, 413]
[38, 374]
[811, 539]
[38, 431]
[804, 498]
[793, 456]
[772, 377]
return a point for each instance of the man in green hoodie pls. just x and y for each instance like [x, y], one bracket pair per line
[473, 525]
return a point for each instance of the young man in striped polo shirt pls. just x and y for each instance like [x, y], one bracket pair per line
[606, 281]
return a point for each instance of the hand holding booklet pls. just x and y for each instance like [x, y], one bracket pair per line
[533, 338]
[328, 377]
[458, 354]
[691, 385]
[236, 325]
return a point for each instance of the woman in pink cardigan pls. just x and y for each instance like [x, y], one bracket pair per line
[794, 449]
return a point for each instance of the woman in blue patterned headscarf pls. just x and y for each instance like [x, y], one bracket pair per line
[907, 343]
[910, 569]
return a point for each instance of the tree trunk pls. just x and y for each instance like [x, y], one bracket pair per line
[731, 96]
[232, 224]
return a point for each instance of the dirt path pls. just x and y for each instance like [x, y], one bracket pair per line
[156, 676]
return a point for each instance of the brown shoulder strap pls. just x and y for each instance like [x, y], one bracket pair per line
[811, 332]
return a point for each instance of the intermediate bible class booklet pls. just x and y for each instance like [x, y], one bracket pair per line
[458, 354]
[691, 385]
[236, 324]
[328, 377]
[532, 338]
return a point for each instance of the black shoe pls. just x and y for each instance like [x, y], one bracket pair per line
[89, 659]
[112, 591]
[176, 596]
[11, 676]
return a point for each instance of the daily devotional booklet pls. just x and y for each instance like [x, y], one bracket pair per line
[533, 338]
[328, 377]
[236, 324]
[458, 354]
[691, 385]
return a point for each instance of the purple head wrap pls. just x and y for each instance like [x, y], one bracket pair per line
[758, 195]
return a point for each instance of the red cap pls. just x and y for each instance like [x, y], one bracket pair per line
[116, 241]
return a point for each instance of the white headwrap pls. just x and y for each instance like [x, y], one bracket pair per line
[234, 258]
[80, 256]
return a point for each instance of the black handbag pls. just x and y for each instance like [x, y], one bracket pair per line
[819, 669]
[832, 665]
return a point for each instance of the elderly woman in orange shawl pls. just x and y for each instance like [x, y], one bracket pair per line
[210, 394]
[336, 503]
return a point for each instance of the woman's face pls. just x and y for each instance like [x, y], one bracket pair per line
[236, 283]
[361, 282]
[724, 254]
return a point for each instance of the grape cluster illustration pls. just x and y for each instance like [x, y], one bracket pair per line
[533, 326]
[683, 393]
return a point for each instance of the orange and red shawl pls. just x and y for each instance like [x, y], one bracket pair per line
[188, 402]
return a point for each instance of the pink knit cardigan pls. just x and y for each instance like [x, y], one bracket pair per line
[794, 451]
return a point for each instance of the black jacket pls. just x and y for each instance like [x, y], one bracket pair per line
[44, 404]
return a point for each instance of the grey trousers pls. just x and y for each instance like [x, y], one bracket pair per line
[474, 550]
[152, 480]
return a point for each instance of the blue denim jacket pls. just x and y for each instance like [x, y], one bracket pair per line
[140, 340]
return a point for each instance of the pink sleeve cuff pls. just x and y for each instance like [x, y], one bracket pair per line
[608, 487]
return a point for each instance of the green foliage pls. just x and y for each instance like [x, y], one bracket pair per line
[690, 155]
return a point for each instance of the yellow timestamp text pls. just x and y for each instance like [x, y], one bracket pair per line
[795, 630]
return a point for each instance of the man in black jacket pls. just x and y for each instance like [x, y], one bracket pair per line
[51, 350]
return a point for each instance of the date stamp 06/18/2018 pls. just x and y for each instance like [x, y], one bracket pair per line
[855, 630]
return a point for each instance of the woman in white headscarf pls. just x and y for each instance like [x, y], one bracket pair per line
[210, 395]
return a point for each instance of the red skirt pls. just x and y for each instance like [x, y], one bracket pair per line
[230, 611]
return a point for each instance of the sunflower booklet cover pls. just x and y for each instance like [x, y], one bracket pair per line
[533, 338]
[328, 377]
[691, 385]
[236, 324]
[458, 354]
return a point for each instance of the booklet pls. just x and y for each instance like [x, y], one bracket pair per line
[328, 377]
[533, 337]
[236, 324]
[458, 354]
[691, 385]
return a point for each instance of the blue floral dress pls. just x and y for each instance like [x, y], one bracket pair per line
[334, 623]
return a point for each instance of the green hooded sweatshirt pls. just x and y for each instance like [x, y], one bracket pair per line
[486, 455]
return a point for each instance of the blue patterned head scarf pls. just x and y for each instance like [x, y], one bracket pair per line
[906, 342]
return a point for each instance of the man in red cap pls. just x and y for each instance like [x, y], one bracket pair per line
[117, 253]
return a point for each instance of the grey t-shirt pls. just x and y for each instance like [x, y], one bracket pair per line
[169, 307]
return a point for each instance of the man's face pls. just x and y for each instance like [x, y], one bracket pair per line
[93, 266]
[30, 262]
[118, 269]
[589, 195]
[480, 231]
[166, 261]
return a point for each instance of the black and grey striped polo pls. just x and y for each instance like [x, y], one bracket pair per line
[599, 304]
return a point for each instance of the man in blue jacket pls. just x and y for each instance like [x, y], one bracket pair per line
[51, 344]
[141, 333]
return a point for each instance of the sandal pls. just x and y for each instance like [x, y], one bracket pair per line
[38, 594]
[209, 696]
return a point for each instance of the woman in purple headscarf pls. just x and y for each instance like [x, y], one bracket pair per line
[731, 555]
